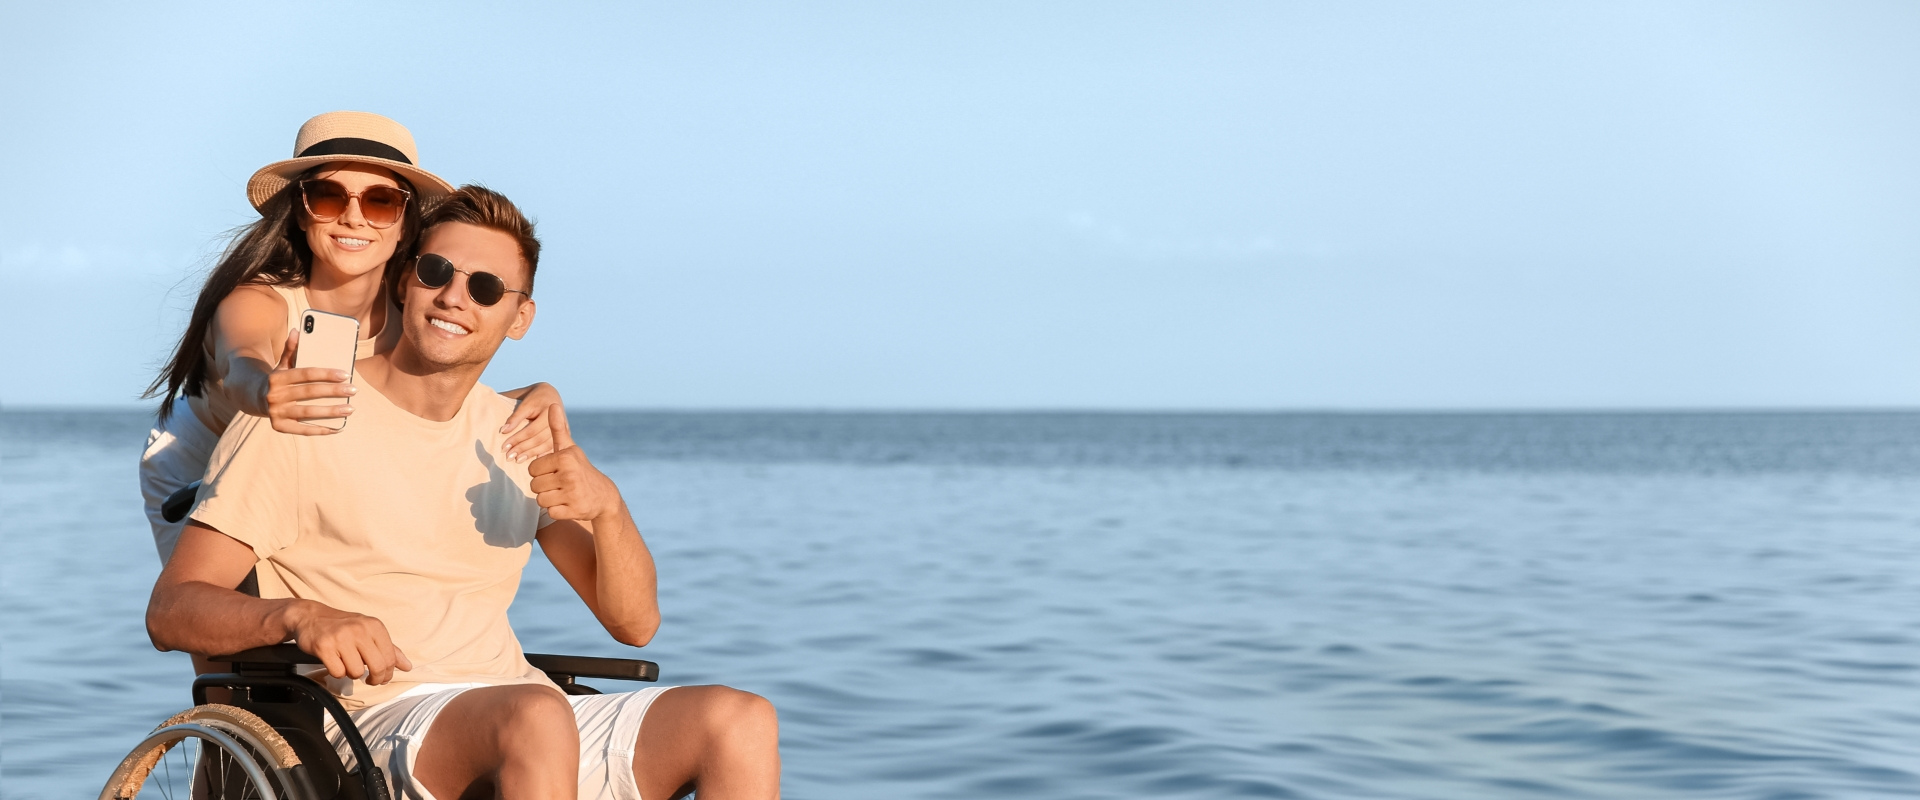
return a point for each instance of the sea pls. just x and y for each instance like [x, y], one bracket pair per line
[1108, 605]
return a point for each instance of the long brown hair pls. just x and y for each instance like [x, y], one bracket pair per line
[271, 251]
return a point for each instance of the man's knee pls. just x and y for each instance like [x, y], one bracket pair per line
[535, 714]
[498, 736]
[739, 719]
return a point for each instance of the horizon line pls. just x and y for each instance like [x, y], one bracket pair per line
[1122, 410]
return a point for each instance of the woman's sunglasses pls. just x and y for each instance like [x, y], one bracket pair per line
[434, 271]
[380, 206]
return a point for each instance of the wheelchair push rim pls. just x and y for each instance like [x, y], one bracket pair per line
[241, 747]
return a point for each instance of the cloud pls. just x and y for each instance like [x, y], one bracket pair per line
[37, 259]
[63, 263]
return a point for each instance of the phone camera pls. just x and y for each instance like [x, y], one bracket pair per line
[309, 323]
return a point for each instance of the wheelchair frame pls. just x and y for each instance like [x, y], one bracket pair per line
[264, 683]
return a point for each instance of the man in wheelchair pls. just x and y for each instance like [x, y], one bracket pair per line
[391, 551]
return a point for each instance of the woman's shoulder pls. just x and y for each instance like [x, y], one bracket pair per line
[260, 303]
[259, 290]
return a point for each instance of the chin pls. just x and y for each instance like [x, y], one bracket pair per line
[356, 267]
[447, 355]
[438, 358]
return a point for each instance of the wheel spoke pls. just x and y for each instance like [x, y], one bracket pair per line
[225, 754]
[166, 788]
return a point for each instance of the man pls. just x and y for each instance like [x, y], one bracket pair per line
[396, 547]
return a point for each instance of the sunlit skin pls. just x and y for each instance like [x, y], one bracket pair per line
[450, 337]
[254, 350]
[349, 253]
[498, 741]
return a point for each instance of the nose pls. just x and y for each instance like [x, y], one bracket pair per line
[352, 217]
[454, 294]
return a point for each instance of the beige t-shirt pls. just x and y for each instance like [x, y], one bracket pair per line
[417, 523]
[214, 407]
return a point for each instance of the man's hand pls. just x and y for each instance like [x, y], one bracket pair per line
[350, 645]
[195, 609]
[592, 541]
[566, 484]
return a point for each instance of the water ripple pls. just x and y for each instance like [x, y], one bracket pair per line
[958, 608]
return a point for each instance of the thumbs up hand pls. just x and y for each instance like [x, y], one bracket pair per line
[566, 484]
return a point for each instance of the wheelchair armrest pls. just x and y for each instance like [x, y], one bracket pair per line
[563, 669]
[176, 506]
[282, 658]
[275, 659]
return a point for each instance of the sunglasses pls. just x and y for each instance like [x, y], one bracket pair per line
[435, 271]
[380, 206]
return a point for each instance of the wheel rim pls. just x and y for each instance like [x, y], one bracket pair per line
[161, 768]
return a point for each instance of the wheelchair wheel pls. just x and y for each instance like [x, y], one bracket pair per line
[210, 752]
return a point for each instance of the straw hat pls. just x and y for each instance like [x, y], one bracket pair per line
[354, 136]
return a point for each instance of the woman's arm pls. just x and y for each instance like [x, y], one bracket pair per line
[535, 438]
[247, 334]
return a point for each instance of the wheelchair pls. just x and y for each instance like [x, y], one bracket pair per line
[268, 741]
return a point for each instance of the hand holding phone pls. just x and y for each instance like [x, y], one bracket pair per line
[308, 393]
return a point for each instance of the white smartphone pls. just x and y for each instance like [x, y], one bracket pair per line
[328, 341]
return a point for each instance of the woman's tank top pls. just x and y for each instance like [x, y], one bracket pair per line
[216, 408]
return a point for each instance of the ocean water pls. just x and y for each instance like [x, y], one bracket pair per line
[1119, 606]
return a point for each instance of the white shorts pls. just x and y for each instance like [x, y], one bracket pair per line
[609, 730]
[176, 455]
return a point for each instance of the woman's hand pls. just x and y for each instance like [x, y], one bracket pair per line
[533, 421]
[287, 386]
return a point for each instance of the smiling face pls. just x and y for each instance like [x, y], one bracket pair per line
[445, 328]
[348, 247]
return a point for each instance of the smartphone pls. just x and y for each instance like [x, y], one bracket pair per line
[328, 341]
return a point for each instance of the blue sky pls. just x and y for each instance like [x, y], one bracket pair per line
[1115, 205]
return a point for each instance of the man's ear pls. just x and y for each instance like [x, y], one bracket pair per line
[522, 320]
[402, 281]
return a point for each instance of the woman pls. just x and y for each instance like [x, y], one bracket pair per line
[336, 221]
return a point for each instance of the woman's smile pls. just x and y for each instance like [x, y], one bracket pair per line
[347, 246]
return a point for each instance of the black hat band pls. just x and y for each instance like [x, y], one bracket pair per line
[351, 146]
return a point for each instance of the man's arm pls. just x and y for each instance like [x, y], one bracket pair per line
[593, 541]
[195, 608]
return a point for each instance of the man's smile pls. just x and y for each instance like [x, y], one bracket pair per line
[447, 325]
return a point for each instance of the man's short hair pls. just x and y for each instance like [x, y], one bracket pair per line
[483, 207]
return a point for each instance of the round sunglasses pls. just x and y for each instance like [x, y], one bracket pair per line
[326, 200]
[435, 271]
